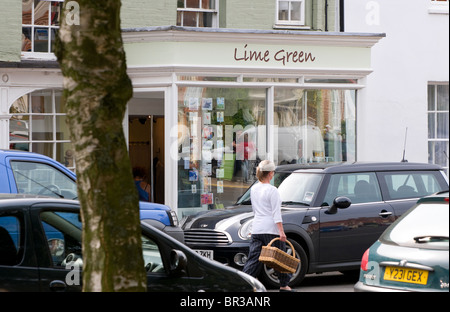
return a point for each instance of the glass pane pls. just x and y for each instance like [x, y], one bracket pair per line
[41, 9]
[206, 20]
[41, 40]
[431, 126]
[314, 125]
[12, 240]
[440, 153]
[193, 4]
[431, 97]
[41, 102]
[295, 11]
[19, 128]
[283, 10]
[442, 126]
[431, 152]
[190, 19]
[42, 128]
[65, 154]
[56, 13]
[221, 140]
[442, 98]
[26, 39]
[20, 106]
[59, 107]
[54, 33]
[209, 4]
[43, 148]
[27, 7]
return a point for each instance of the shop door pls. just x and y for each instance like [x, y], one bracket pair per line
[146, 148]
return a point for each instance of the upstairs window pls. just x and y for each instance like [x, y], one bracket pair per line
[291, 13]
[40, 25]
[197, 13]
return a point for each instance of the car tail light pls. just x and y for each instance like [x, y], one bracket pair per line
[365, 260]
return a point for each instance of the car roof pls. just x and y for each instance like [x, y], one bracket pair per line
[8, 200]
[347, 167]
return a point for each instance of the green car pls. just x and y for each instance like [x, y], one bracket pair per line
[412, 254]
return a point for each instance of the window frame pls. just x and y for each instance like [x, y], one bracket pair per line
[199, 11]
[51, 30]
[289, 22]
[433, 135]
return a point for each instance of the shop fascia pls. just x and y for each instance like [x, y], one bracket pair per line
[175, 56]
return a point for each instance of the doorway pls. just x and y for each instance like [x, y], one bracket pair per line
[146, 141]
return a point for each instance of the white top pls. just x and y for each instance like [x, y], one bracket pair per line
[266, 204]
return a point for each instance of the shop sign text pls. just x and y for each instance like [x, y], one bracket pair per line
[283, 56]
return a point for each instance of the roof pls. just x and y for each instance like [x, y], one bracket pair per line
[346, 167]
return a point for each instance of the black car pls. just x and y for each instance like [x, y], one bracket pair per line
[40, 250]
[331, 214]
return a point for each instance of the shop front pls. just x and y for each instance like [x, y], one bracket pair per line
[209, 105]
[233, 98]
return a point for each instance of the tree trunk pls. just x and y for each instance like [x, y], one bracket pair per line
[96, 91]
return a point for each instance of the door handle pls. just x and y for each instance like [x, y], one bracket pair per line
[57, 285]
[385, 213]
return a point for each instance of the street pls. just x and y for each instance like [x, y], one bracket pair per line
[326, 282]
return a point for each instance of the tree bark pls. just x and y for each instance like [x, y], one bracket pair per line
[96, 91]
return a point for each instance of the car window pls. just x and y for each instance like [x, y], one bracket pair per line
[11, 240]
[42, 179]
[300, 188]
[358, 187]
[152, 256]
[411, 185]
[63, 234]
[425, 226]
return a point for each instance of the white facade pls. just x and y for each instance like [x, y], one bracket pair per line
[414, 54]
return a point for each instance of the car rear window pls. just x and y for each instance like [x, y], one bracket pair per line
[425, 226]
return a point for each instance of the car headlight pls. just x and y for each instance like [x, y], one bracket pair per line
[173, 217]
[245, 231]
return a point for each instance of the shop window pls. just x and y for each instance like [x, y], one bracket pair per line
[291, 13]
[314, 125]
[221, 134]
[197, 13]
[438, 124]
[40, 25]
[38, 124]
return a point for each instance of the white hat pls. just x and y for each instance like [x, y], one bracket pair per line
[266, 165]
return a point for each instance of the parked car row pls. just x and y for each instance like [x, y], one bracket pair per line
[40, 245]
[331, 214]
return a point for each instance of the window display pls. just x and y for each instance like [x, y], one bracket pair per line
[218, 144]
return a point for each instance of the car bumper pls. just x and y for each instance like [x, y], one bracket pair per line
[361, 287]
[233, 255]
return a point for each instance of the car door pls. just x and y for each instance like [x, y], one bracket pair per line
[18, 271]
[57, 238]
[402, 189]
[345, 235]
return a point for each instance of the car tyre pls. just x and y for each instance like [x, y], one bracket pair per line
[269, 278]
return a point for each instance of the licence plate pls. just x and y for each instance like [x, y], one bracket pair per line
[206, 253]
[406, 275]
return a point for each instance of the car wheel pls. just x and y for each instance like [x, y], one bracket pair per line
[269, 276]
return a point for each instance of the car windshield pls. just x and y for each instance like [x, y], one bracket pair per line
[426, 226]
[299, 188]
[295, 189]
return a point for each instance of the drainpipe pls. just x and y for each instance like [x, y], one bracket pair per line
[341, 16]
[326, 15]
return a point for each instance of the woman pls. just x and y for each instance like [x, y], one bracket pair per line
[267, 223]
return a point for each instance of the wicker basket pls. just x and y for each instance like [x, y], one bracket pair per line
[278, 259]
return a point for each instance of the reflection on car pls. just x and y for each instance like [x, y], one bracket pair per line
[41, 250]
[412, 254]
[331, 214]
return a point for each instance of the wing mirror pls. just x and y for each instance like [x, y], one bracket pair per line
[178, 262]
[339, 202]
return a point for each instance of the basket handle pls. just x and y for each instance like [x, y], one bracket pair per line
[287, 241]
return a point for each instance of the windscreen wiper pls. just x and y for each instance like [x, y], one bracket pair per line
[294, 203]
[429, 238]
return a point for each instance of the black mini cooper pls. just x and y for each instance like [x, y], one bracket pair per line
[331, 214]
